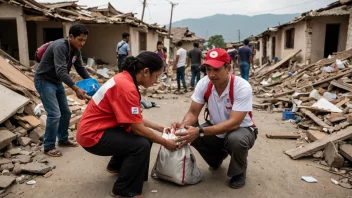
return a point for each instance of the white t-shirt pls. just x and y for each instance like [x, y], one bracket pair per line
[220, 107]
[182, 53]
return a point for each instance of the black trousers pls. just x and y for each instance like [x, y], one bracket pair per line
[236, 144]
[130, 156]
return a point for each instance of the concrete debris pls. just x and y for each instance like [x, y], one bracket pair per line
[37, 168]
[4, 161]
[24, 141]
[6, 137]
[23, 159]
[9, 166]
[6, 172]
[319, 154]
[332, 157]
[6, 181]
[36, 135]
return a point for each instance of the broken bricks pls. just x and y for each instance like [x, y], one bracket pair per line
[332, 157]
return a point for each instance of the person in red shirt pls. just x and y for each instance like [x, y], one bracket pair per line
[112, 124]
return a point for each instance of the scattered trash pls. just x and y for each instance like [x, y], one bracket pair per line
[31, 182]
[309, 179]
[334, 181]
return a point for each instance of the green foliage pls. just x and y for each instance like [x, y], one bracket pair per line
[216, 41]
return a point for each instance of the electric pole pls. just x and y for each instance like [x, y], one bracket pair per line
[144, 4]
[172, 12]
[239, 35]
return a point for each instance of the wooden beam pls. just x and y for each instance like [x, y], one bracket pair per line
[317, 83]
[36, 18]
[315, 135]
[346, 151]
[315, 118]
[283, 135]
[340, 85]
[342, 102]
[319, 144]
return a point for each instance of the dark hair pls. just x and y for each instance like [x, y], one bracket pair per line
[179, 44]
[246, 41]
[143, 60]
[195, 44]
[125, 35]
[159, 43]
[78, 29]
[164, 49]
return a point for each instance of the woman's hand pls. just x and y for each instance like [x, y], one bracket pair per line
[170, 145]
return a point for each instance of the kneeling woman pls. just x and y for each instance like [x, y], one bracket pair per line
[112, 124]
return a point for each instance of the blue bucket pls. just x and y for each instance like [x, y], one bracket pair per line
[90, 85]
[288, 115]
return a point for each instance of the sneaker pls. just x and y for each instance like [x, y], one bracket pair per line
[238, 181]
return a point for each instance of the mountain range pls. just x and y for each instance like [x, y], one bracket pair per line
[228, 25]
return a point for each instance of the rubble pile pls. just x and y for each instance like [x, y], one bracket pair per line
[22, 125]
[318, 98]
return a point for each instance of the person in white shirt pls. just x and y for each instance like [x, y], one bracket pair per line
[230, 129]
[180, 66]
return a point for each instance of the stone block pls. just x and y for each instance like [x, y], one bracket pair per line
[6, 181]
[332, 157]
[6, 137]
[36, 168]
[24, 141]
[36, 135]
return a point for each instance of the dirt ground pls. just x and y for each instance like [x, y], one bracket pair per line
[270, 172]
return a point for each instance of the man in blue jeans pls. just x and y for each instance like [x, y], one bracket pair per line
[245, 59]
[180, 64]
[195, 60]
[52, 70]
[123, 50]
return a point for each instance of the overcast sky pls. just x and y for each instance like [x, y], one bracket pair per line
[158, 11]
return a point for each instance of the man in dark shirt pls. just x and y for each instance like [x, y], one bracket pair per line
[54, 69]
[195, 57]
[245, 59]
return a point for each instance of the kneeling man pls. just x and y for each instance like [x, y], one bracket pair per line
[230, 129]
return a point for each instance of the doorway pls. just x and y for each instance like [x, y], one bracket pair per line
[331, 39]
[52, 34]
[273, 43]
[8, 37]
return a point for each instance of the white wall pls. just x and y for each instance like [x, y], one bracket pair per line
[8, 11]
[134, 42]
[102, 41]
[319, 31]
[349, 36]
[152, 39]
[299, 41]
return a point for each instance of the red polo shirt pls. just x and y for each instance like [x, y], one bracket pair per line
[117, 103]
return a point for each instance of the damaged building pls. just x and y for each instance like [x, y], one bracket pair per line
[29, 24]
[317, 33]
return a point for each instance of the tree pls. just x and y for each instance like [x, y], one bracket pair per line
[216, 41]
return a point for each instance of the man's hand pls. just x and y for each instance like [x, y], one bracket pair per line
[187, 136]
[177, 125]
[81, 94]
[170, 145]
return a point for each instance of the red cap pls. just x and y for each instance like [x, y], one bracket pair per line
[217, 57]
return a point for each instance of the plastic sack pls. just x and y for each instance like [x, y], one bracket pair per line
[340, 64]
[179, 167]
[90, 85]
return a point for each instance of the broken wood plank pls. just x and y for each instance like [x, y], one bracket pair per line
[318, 144]
[337, 119]
[346, 151]
[315, 135]
[341, 85]
[36, 18]
[349, 71]
[315, 118]
[283, 135]
[342, 102]
[11, 103]
[15, 76]
[278, 64]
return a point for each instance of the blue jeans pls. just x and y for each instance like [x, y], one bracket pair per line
[181, 77]
[245, 67]
[195, 74]
[54, 100]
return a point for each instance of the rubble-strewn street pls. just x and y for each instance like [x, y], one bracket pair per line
[271, 173]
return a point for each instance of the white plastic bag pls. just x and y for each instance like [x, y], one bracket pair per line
[179, 166]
